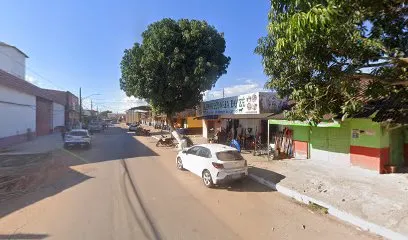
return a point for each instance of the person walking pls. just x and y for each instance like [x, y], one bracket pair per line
[63, 132]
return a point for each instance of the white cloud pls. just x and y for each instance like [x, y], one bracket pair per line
[120, 104]
[130, 102]
[247, 86]
[32, 80]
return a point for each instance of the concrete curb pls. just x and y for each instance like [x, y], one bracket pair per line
[347, 217]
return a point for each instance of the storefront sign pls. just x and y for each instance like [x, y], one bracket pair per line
[253, 103]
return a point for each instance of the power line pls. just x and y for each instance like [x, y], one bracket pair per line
[29, 68]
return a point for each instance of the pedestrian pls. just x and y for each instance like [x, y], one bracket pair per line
[63, 131]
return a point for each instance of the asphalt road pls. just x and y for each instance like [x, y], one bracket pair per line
[126, 188]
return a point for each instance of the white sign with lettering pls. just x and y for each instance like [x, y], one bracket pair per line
[252, 103]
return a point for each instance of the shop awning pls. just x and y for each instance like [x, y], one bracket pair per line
[246, 116]
[207, 117]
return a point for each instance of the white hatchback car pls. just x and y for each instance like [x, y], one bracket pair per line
[215, 163]
[78, 137]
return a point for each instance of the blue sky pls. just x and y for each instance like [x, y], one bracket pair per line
[74, 43]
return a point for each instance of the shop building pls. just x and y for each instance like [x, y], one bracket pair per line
[355, 141]
[188, 122]
[242, 117]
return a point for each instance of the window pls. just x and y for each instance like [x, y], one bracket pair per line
[229, 156]
[193, 150]
[78, 133]
[204, 152]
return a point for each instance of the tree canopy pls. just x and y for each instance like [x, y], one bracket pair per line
[318, 54]
[175, 63]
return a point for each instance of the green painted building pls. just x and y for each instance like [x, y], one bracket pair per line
[359, 141]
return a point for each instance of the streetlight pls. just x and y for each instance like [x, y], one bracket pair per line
[80, 103]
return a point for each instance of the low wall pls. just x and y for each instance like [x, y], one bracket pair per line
[300, 149]
[370, 158]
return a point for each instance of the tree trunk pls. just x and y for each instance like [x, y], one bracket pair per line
[170, 122]
[173, 131]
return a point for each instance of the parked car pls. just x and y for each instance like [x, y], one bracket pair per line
[214, 163]
[95, 127]
[78, 137]
[133, 127]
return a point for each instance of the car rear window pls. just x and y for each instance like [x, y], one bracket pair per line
[229, 156]
[78, 133]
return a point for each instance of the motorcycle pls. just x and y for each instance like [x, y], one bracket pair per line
[145, 132]
[165, 141]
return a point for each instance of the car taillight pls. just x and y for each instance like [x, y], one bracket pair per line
[218, 165]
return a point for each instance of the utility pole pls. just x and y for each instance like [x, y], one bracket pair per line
[80, 107]
[223, 93]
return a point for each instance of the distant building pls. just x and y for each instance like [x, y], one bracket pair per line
[116, 115]
[71, 103]
[89, 113]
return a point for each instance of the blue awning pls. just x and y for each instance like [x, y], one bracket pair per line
[207, 117]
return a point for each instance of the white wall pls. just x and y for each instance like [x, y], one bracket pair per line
[15, 119]
[58, 115]
[12, 61]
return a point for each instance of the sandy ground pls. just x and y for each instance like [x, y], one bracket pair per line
[126, 188]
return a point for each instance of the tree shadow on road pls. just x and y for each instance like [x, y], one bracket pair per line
[49, 181]
[112, 144]
[23, 236]
[246, 185]
[249, 185]
[266, 174]
[57, 176]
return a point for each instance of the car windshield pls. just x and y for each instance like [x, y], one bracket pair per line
[229, 156]
[78, 133]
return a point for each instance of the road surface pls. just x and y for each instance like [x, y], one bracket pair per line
[126, 188]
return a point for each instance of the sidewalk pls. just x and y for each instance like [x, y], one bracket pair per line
[40, 144]
[373, 202]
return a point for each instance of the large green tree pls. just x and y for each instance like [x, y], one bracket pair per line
[330, 56]
[175, 63]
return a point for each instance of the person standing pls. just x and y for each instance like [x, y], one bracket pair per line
[63, 132]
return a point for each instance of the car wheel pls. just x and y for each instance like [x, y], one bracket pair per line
[158, 143]
[207, 179]
[179, 164]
